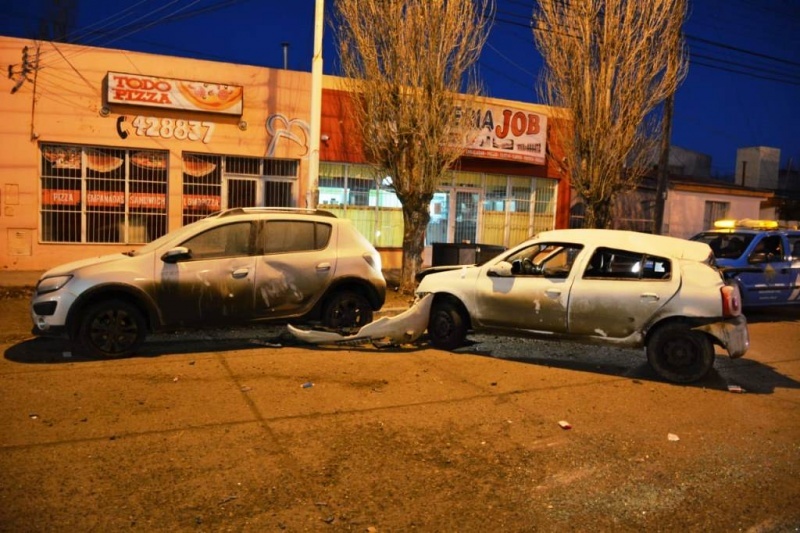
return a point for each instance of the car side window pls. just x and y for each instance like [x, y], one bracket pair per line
[550, 260]
[608, 263]
[282, 236]
[768, 250]
[794, 246]
[230, 240]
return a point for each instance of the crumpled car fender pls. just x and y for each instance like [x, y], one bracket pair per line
[730, 334]
[404, 328]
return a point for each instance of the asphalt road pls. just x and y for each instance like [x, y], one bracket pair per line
[242, 430]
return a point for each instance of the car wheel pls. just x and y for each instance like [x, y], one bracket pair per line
[680, 354]
[447, 328]
[111, 329]
[346, 309]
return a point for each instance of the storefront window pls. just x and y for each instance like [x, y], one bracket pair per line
[102, 195]
[359, 193]
[215, 182]
[468, 207]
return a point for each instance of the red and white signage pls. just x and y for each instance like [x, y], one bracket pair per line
[136, 200]
[136, 89]
[508, 133]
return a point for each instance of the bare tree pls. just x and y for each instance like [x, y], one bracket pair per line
[409, 65]
[610, 64]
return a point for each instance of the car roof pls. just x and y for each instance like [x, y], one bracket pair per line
[634, 241]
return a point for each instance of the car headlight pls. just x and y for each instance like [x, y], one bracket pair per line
[51, 284]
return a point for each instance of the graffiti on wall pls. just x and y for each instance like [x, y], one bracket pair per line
[287, 137]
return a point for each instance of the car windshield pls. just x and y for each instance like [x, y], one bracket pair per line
[726, 245]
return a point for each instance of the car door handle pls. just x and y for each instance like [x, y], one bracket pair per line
[553, 293]
[650, 296]
[240, 273]
[323, 267]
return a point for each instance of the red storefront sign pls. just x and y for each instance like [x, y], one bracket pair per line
[104, 198]
[201, 202]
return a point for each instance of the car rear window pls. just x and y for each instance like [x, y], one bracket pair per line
[726, 245]
[295, 236]
[609, 263]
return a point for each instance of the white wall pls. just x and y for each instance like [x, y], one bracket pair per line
[684, 211]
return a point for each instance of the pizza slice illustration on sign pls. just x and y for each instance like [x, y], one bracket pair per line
[210, 96]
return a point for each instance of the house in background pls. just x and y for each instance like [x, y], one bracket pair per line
[759, 167]
[694, 199]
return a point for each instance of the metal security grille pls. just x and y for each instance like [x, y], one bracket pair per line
[215, 182]
[202, 186]
[102, 195]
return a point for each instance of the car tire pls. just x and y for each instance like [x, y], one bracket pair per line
[346, 309]
[447, 329]
[111, 329]
[679, 354]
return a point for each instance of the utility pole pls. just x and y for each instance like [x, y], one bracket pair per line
[663, 167]
[663, 161]
[312, 194]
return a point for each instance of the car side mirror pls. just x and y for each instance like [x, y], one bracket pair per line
[181, 253]
[503, 269]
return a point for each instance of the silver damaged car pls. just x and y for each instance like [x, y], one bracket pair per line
[236, 266]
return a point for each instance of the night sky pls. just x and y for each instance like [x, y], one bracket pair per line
[743, 86]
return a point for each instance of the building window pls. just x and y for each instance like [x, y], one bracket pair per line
[715, 211]
[362, 195]
[102, 195]
[215, 182]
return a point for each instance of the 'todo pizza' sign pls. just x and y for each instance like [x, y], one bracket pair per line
[136, 89]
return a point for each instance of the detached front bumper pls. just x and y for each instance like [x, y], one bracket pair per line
[731, 334]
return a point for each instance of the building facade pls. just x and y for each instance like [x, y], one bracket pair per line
[104, 150]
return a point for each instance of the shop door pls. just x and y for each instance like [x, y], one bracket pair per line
[465, 216]
[454, 217]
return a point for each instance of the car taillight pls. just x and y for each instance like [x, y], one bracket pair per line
[731, 303]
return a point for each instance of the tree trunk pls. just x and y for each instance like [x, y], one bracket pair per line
[415, 223]
[598, 213]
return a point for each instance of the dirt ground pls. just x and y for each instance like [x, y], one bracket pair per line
[208, 431]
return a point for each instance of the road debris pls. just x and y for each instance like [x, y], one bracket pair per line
[404, 328]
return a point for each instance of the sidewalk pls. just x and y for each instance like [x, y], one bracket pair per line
[19, 278]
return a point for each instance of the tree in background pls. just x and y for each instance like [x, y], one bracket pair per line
[610, 64]
[409, 65]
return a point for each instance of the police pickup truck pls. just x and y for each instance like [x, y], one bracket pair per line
[763, 258]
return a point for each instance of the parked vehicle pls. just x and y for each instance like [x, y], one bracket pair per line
[762, 258]
[608, 287]
[238, 265]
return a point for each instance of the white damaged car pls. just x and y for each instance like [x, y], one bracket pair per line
[609, 287]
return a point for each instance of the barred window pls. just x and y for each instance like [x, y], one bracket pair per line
[215, 182]
[102, 195]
